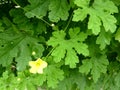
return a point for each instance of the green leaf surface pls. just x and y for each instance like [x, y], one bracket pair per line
[82, 3]
[117, 80]
[103, 39]
[17, 46]
[71, 60]
[109, 22]
[79, 40]
[37, 8]
[67, 46]
[117, 35]
[75, 81]
[1, 28]
[86, 67]
[60, 52]
[58, 10]
[20, 19]
[99, 12]
[94, 22]
[80, 14]
[96, 65]
[54, 75]
[25, 25]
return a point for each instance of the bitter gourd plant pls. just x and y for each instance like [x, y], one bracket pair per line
[60, 44]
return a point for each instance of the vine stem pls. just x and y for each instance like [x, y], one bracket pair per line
[68, 23]
[64, 30]
[50, 52]
[48, 25]
[33, 14]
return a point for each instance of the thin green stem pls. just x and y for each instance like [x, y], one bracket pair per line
[33, 14]
[45, 22]
[68, 22]
[50, 51]
[64, 30]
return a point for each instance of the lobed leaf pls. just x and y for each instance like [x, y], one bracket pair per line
[117, 35]
[65, 48]
[18, 47]
[58, 10]
[103, 39]
[54, 74]
[96, 66]
[37, 8]
[99, 12]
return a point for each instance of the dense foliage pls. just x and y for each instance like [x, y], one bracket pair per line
[79, 39]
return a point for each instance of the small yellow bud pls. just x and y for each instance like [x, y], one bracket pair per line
[33, 53]
[17, 7]
[52, 24]
[18, 79]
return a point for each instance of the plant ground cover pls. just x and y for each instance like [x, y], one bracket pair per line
[60, 44]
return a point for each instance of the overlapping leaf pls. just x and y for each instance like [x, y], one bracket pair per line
[96, 66]
[54, 75]
[117, 35]
[67, 48]
[25, 25]
[18, 46]
[1, 28]
[99, 11]
[58, 10]
[103, 39]
[78, 82]
[37, 8]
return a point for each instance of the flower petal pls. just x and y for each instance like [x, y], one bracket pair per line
[32, 63]
[32, 70]
[40, 70]
[44, 64]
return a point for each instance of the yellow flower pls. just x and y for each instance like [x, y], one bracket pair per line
[37, 66]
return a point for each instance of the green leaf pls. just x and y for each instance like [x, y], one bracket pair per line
[54, 75]
[117, 80]
[23, 24]
[60, 52]
[99, 12]
[117, 35]
[117, 2]
[103, 39]
[39, 79]
[109, 22]
[82, 3]
[20, 19]
[99, 66]
[109, 81]
[66, 84]
[86, 67]
[107, 5]
[80, 14]
[94, 23]
[71, 60]
[25, 82]
[37, 8]
[80, 81]
[1, 28]
[18, 46]
[58, 10]
[96, 66]
[75, 81]
[68, 47]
